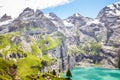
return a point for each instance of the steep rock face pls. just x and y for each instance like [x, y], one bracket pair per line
[57, 21]
[94, 30]
[27, 13]
[110, 16]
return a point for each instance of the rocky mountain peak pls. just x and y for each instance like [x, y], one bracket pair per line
[54, 17]
[28, 9]
[77, 15]
[52, 14]
[110, 10]
[5, 17]
[110, 14]
[110, 17]
[114, 6]
[38, 12]
[27, 12]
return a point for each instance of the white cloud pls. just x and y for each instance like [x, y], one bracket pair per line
[14, 7]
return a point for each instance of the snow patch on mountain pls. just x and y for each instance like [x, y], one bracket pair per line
[48, 16]
[77, 14]
[95, 21]
[6, 22]
[68, 24]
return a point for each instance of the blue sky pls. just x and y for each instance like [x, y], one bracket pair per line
[87, 8]
[63, 8]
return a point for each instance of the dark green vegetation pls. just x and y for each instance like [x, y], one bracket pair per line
[54, 72]
[118, 59]
[68, 73]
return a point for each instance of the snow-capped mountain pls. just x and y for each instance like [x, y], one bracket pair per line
[106, 24]
[110, 16]
[76, 29]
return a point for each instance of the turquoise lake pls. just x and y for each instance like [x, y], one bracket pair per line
[94, 74]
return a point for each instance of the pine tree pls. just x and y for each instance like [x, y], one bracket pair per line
[54, 72]
[69, 74]
[119, 59]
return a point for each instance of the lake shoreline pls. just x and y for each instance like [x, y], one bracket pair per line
[86, 65]
[94, 73]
